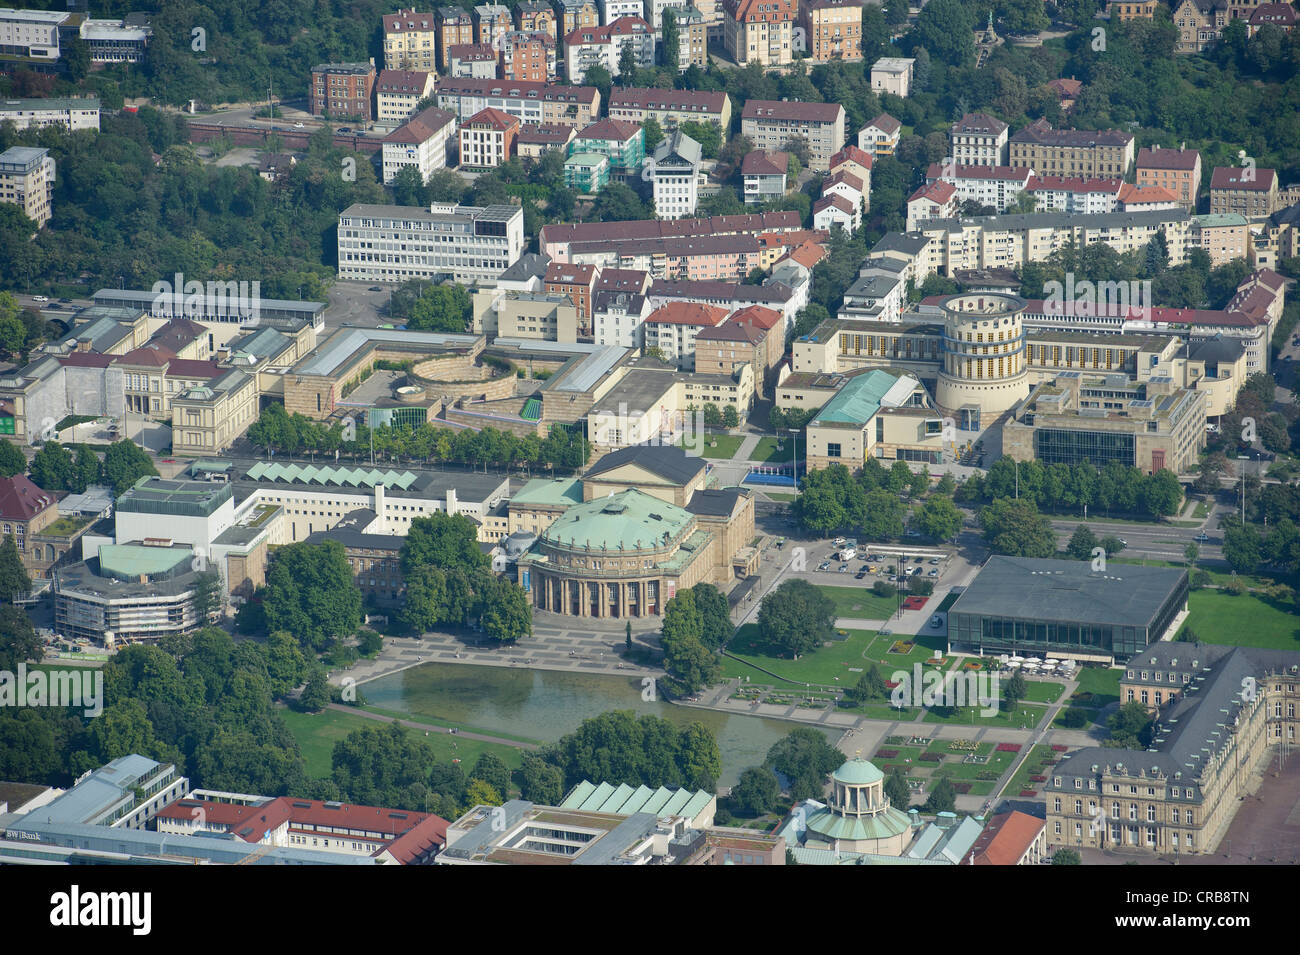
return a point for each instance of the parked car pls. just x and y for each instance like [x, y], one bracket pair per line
[299, 126]
[936, 621]
[934, 572]
[65, 301]
[934, 560]
[825, 565]
[860, 574]
[1202, 537]
[844, 568]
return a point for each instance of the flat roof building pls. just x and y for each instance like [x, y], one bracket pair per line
[1066, 610]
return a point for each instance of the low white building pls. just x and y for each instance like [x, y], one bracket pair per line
[831, 212]
[675, 171]
[893, 74]
[880, 136]
[70, 113]
[117, 41]
[423, 142]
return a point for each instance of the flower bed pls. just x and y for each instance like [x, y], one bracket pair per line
[1028, 792]
[961, 788]
[896, 740]
[901, 646]
[1038, 779]
[931, 757]
[987, 774]
[1008, 747]
[886, 753]
[1058, 748]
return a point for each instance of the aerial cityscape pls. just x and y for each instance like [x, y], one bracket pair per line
[650, 432]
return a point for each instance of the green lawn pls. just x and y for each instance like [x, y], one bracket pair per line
[1042, 691]
[1102, 683]
[860, 602]
[317, 733]
[1024, 716]
[728, 445]
[1245, 621]
[829, 666]
[766, 451]
[1032, 766]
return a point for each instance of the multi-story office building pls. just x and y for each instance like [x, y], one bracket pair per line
[117, 41]
[343, 91]
[771, 124]
[400, 243]
[410, 41]
[31, 34]
[1071, 152]
[27, 181]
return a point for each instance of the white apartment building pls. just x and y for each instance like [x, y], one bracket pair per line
[1074, 195]
[379, 243]
[893, 74]
[979, 139]
[31, 34]
[611, 10]
[771, 124]
[27, 181]
[654, 11]
[996, 186]
[675, 168]
[587, 47]
[880, 136]
[72, 113]
[672, 329]
[422, 142]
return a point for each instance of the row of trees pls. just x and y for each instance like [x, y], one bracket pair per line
[832, 499]
[697, 623]
[55, 468]
[1114, 488]
[277, 430]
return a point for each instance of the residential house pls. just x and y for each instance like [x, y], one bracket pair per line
[759, 31]
[764, 174]
[979, 139]
[27, 181]
[603, 46]
[530, 103]
[535, 16]
[423, 142]
[398, 92]
[1071, 152]
[410, 41]
[670, 107]
[527, 56]
[477, 61]
[1178, 170]
[622, 142]
[487, 139]
[993, 186]
[26, 511]
[1246, 190]
[938, 200]
[832, 29]
[675, 174]
[534, 141]
[343, 91]
[880, 136]
[771, 124]
[455, 28]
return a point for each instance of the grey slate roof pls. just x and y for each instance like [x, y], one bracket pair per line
[671, 464]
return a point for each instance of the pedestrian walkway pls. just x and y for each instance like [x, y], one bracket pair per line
[746, 449]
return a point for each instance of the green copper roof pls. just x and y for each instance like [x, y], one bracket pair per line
[310, 474]
[128, 561]
[831, 825]
[552, 492]
[858, 400]
[622, 521]
[625, 800]
[857, 772]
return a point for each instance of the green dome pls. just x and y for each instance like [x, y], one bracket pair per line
[857, 772]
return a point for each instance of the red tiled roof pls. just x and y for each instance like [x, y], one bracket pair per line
[1234, 177]
[21, 500]
[189, 368]
[1006, 839]
[150, 355]
[979, 123]
[846, 177]
[1074, 184]
[730, 331]
[758, 316]
[886, 124]
[86, 359]
[491, 116]
[471, 52]
[839, 202]
[851, 153]
[939, 192]
[1069, 89]
[688, 313]
[763, 162]
[958, 171]
[1157, 158]
[422, 126]
[1279, 14]
[752, 11]
[610, 130]
[407, 20]
[807, 253]
[1128, 193]
[404, 81]
[684, 101]
[562, 273]
[761, 109]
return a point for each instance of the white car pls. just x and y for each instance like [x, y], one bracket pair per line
[40, 298]
[299, 126]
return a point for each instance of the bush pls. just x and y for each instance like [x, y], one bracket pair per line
[883, 588]
[1073, 718]
[1236, 586]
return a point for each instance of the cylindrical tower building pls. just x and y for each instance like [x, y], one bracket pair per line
[983, 361]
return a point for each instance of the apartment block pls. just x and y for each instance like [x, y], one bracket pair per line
[979, 139]
[832, 29]
[455, 28]
[491, 20]
[771, 124]
[410, 41]
[600, 46]
[71, 113]
[534, 16]
[529, 57]
[995, 186]
[880, 136]
[1178, 170]
[27, 181]
[1071, 152]
[1246, 191]
[670, 107]
[693, 38]
[343, 91]
[759, 31]
[487, 139]
[398, 92]
[477, 61]
[575, 15]
[534, 104]
[675, 172]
